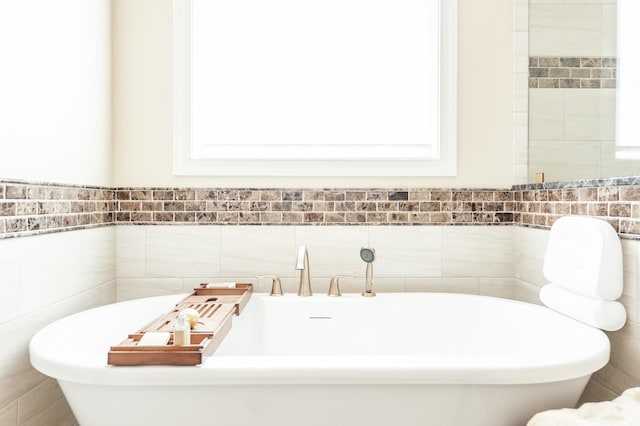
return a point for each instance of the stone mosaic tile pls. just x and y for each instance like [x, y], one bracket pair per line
[30, 208]
[317, 207]
[616, 203]
[572, 73]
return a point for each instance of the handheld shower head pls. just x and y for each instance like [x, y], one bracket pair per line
[367, 254]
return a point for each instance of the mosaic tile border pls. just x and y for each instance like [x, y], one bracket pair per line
[314, 206]
[618, 205]
[572, 72]
[614, 199]
[32, 208]
[609, 181]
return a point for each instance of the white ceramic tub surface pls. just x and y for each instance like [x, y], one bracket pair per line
[398, 358]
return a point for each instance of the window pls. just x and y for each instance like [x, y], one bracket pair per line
[628, 90]
[316, 88]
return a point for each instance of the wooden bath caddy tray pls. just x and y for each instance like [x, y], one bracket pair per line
[216, 307]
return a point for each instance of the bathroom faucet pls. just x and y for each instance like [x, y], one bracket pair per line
[302, 265]
[334, 285]
[276, 284]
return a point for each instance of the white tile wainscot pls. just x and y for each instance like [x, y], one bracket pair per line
[465, 259]
[44, 278]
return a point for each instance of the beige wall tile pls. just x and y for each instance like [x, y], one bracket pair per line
[567, 30]
[130, 251]
[443, 285]
[546, 114]
[9, 415]
[407, 251]
[623, 370]
[47, 277]
[610, 166]
[526, 292]
[521, 88]
[530, 270]
[531, 245]
[590, 114]
[520, 172]
[521, 15]
[182, 251]
[497, 287]
[609, 27]
[257, 250]
[16, 374]
[108, 292]
[564, 159]
[478, 251]
[630, 276]
[136, 288]
[45, 405]
[333, 250]
[520, 138]
[595, 392]
[50, 269]
[356, 285]
[11, 278]
[97, 257]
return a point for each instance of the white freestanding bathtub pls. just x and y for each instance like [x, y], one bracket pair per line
[404, 359]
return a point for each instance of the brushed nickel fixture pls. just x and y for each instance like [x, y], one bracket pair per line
[302, 265]
[334, 285]
[368, 255]
[276, 285]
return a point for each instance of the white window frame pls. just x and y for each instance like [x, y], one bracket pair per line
[184, 163]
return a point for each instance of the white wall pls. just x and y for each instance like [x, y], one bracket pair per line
[55, 81]
[143, 102]
[55, 104]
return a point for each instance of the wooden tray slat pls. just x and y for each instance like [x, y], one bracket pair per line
[216, 307]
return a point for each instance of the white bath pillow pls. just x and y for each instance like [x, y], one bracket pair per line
[603, 314]
[584, 255]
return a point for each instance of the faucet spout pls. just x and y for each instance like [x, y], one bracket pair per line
[302, 265]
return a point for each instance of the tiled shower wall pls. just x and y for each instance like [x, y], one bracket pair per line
[520, 105]
[571, 97]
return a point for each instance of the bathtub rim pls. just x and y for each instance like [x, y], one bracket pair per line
[366, 369]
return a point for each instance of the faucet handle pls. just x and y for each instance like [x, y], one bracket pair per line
[334, 285]
[276, 284]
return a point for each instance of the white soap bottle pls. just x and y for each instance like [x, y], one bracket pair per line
[182, 331]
